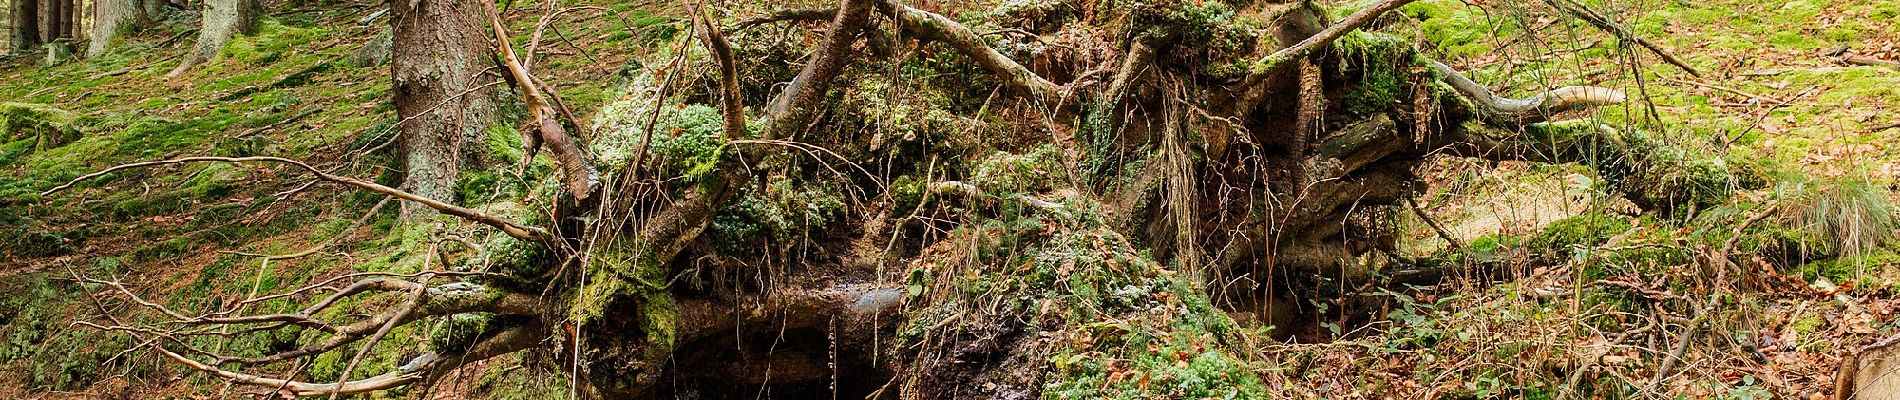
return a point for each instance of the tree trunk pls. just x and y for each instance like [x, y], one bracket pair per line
[438, 52]
[110, 18]
[68, 21]
[49, 20]
[25, 28]
[223, 19]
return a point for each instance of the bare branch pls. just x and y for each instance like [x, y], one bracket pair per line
[577, 172]
[933, 26]
[420, 369]
[512, 228]
[1272, 63]
[1518, 112]
[1601, 22]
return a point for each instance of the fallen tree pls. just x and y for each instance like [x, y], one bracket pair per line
[1105, 182]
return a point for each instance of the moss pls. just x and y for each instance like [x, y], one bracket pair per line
[1585, 230]
[41, 127]
[1384, 63]
[1870, 267]
[776, 216]
[686, 142]
[1459, 28]
[1120, 324]
[272, 41]
[1004, 172]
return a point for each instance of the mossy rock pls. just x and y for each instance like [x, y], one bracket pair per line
[46, 126]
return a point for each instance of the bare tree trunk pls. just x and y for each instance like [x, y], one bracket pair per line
[49, 20]
[110, 18]
[223, 19]
[438, 53]
[25, 30]
[68, 24]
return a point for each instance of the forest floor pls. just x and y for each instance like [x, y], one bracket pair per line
[1778, 83]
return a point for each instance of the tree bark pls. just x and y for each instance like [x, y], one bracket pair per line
[111, 17]
[438, 53]
[223, 19]
[68, 19]
[25, 29]
[49, 20]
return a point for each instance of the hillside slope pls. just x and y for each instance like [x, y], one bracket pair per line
[1570, 291]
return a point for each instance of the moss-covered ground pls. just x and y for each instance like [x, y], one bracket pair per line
[290, 90]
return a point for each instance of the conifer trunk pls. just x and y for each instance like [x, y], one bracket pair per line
[24, 30]
[110, 18]
[438, 52]
[223, 19]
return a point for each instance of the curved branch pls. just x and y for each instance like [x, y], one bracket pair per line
[1272, 63]
[933, 26]
[1519, 112]
[420, 369]
[731, 105]
[796, 107]
[512, 228]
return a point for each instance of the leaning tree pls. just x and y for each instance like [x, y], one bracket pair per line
[1045, 198]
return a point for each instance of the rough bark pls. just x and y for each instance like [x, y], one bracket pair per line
[445, 102]
[49, 19]
[223, 20]
[24, 31]
[68, 19]
[111, 18]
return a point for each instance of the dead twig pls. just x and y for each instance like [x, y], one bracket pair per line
[577, 172]
[1598, 20]
[512, 228]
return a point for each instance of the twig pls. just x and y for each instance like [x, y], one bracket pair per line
[314, 249]
[1868, 61]
[578, 173]
[415, 300]
[1601, 22]
[1675, 354]
[1456, 245]
[512, 228]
